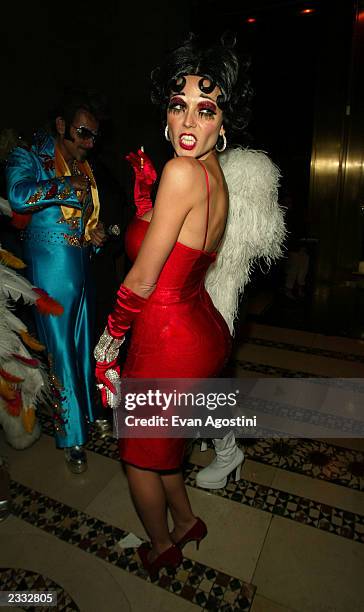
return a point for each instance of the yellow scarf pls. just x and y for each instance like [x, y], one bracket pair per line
[62, 169]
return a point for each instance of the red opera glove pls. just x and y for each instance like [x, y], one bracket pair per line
[101, 369]
[145, 177]
[128, 306]
[107, 374]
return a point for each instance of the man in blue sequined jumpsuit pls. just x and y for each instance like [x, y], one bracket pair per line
[52, 184]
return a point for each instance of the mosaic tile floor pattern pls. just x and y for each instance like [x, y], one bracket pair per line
[198, 583]
[340, 466]
[294, 507]
[308, 350]
[25, 580]
[312, 458]
[269, 370]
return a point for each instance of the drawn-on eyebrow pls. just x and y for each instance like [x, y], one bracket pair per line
[202, 95]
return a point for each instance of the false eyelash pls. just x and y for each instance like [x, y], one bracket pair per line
[207, 112]
[173, 107]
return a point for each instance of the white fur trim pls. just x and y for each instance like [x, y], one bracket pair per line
[254, 228]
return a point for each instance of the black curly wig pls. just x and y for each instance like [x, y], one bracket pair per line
[219, 65]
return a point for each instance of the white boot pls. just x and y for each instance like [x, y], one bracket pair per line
[229, 457]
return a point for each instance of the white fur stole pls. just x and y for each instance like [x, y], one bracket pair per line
[254, 228]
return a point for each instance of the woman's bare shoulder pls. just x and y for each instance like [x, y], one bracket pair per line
[186, 169]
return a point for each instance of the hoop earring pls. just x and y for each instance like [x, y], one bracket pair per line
[224, 143]
[166, 135]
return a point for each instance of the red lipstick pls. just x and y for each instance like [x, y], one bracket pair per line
[187, 141]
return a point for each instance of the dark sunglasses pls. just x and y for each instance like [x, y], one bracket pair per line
[85, 133]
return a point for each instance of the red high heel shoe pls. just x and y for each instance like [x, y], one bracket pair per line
[171, 558]
[197, 533]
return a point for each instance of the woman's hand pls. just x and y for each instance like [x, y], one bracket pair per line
[143, 167]
[107, 371]
[145, 177]
[107, 374]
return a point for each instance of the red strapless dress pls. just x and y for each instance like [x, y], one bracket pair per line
[178, 334]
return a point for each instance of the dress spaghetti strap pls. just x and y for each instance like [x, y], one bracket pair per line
[208, 203]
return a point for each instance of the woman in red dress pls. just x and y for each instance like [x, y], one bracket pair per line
[176, 332]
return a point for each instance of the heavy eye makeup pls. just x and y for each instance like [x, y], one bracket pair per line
[176, 105]
[207, 109]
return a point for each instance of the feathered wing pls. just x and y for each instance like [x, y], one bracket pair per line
[23, 380]
[254, 229]
[13, 322]
[5, 208]
[34, 380]
[15, 286]
[35, 384]
[9, 341]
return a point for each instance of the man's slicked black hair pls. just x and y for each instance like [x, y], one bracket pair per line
[76, 99]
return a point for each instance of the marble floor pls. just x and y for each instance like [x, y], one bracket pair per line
[287, 537]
